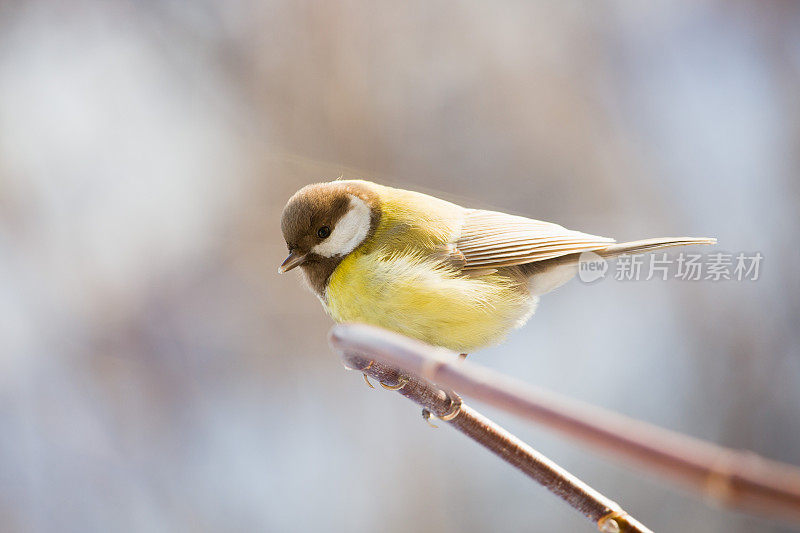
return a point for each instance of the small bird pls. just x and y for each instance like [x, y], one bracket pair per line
[430, 269]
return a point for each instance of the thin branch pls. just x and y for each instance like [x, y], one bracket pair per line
[447, 406]
[736, 479]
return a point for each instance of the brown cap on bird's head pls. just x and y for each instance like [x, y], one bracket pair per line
[324, 222]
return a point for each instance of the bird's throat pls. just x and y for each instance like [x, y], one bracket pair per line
[317, 271]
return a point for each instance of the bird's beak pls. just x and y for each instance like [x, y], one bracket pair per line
[292, 260]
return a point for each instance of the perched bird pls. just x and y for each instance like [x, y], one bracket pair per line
[430, 269]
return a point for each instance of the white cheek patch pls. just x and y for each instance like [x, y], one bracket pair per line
[349, 232]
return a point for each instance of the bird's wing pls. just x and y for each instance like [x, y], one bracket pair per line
[492, 240]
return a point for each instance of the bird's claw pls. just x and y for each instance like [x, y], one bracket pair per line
[401, 382]
[364, 373]
[426, 415]
[366, 380]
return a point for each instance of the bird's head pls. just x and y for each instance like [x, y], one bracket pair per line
[324, 222]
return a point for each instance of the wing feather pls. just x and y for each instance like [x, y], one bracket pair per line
[490, 239]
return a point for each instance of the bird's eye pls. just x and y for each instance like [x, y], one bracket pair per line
[323, 232]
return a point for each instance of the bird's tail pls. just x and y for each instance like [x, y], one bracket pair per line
[648, 245]
[550, 274]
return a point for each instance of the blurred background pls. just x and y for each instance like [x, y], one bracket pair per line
[156, 374]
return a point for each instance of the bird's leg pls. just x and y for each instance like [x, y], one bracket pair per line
[427, 415]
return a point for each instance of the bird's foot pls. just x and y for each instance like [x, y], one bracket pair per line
[401, 381]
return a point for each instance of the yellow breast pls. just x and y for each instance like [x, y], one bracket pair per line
[408, 293]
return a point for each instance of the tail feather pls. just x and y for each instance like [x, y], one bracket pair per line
[648, 245]
[547, 275]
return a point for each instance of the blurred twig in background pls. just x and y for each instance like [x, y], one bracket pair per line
[737, 479]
